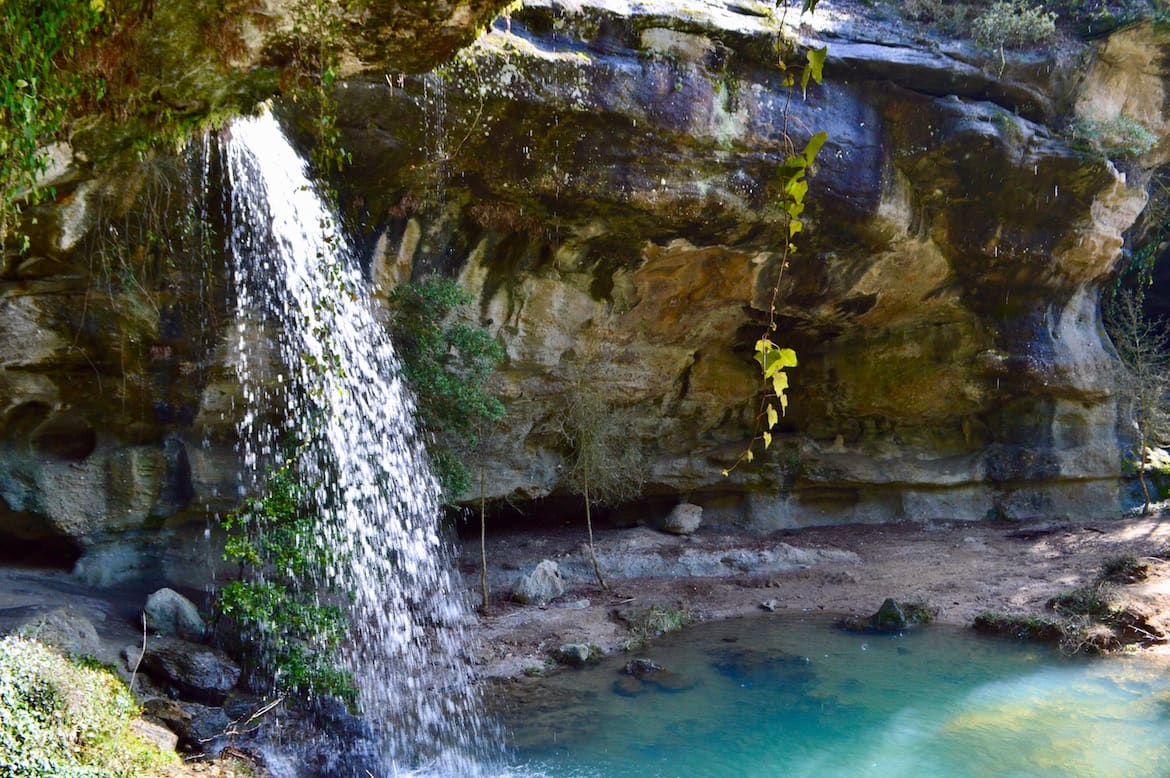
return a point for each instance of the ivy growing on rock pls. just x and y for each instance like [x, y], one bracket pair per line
[60, 718]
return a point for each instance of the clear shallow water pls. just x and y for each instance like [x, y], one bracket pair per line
[787, 697]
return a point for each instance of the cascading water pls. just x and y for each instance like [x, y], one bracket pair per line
[313, 355]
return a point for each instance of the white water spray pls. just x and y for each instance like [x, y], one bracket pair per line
[318, 366]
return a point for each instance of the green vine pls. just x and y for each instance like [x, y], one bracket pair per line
[772, 358]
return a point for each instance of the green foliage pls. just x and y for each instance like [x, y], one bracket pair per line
[35, 91]
[447, 361]
[1094, 601]
[772, 358]
[656, 621]
[314, 46]
[61, 720]
[1012, 23]
[948, 16]
[1119, 138]
[288, 635]
[1030, 628]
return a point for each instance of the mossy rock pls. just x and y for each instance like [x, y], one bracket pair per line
[892, 616]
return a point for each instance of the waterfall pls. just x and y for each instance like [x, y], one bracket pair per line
[317, 365]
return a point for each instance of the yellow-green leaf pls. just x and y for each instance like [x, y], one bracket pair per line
[813, 147]
[796, 189]
[786, 356]
[773, 417]
[767, 439]
[794, 226]
[748, 455]
[816, 64]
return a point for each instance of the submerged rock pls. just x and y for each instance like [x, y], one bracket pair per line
[892, 616]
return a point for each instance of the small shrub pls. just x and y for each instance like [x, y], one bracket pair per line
[949, 17]
[62, 719]
[288, 636]
[1095, 602]
[1124, 569]
[1084, 636]
[656, 621]
[1010, 23]
[447, 359]
[1119, 138]
[1030, 628]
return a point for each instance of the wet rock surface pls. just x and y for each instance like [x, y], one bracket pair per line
[197, 672]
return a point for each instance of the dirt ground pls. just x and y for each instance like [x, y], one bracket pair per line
[961, 568]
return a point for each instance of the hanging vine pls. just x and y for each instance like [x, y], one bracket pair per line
[774, 359]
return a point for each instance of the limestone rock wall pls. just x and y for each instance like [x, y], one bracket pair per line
[602, 176]
[604, 179]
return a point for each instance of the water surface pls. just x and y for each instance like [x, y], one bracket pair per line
[789, 696]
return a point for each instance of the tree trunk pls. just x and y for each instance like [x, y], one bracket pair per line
[592, 553]
[1142, 474]
[483, 540]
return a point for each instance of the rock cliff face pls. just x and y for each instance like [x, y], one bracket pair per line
[603, 177]
[605, 180]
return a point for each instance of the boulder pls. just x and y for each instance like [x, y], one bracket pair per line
[577, 654]
[892, 616]
[66, 630]
[541, 586]
[198, 673]
[169, 713]
[170, 614]
[205, 726]
[684, 519]
[161, 736]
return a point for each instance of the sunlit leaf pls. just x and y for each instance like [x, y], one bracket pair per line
[773, 417]
[794, 226]
[797, 189]
[814, 146]
[779, 386]
[767, 439]
[787, 357]
[816, 64]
